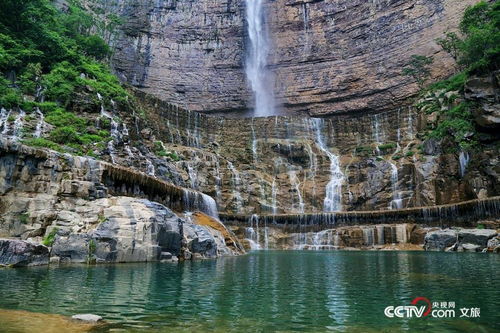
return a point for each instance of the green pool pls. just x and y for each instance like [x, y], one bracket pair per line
[268, 291]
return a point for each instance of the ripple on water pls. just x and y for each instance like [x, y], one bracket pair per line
[264, 291]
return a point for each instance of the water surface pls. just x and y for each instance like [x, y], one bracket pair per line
[266, 291]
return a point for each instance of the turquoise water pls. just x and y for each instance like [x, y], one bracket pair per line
[268, 291]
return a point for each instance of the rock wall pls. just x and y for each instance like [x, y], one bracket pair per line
[88, 210]
[328, 56]
[278, 164]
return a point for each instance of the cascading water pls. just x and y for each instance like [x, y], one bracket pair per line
[236, 182]
[18, 125]
[252, 232]
[464, 159]
[256, 62]
[40, 124]
[397, 201]
[294, 182]
[4, 116]
[333, 197]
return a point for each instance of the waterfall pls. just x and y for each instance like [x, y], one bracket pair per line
[274, 194]
[333, 197]
[254, 144]
[464, 159]
[294, 182]
[236, 180]
[397, 201]
[252, 232]
[18, 125]
[40, 124]
[199, 201]
[4, 116]
[115, 134]
[256, 62]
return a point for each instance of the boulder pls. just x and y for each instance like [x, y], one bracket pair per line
[18, 253]
[90, 318]
[478, 237]
[494, 244]
[74, 247]
[440, 240]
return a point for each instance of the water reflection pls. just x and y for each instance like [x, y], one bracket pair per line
[265, 291]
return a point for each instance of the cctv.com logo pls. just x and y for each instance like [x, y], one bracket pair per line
[420, 307]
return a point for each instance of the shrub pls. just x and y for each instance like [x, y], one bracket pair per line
[42, 143]
[50, 238]
[64, 135]
[419, 68]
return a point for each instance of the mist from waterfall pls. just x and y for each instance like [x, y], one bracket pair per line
[256, 63]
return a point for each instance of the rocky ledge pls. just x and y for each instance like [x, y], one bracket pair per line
[59, 208]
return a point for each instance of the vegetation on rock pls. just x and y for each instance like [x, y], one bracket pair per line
[476, 49]
[52, 60]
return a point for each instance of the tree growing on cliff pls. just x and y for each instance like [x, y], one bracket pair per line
[419, 69]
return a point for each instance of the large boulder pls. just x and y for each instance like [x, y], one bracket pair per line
[477, 237]
[74, 247]
[18, 253]
[440, 240]
[486, 93]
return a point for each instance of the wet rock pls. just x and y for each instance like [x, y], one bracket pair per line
[477, 237]
[74, 247]
[90, 318]
[440, 240]
[494, 245]
[469, 248]
[485, 92]
[18, 253]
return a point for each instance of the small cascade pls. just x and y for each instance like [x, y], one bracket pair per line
[236, 183]
[40, 124]
[218, 179]
[127, 141]
[464, 159]
[150, 168]
[18, 125]
[295, 183]
[197, 201]
[274, 194]
[193, 176]
[377, 135]
[4, 121]
[323, 240]
[397, 200]
[368, 236]
[252, 232]
[254, 145]
[333, 198]
[193, 129]
[115, 134]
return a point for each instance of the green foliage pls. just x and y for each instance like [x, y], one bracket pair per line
[50, 238]
[451, 43]
[161, 152]
[480, 226]
[397, 157]
[43, 143]
[457, 123]
[64, 135]
[410, 153]
[363, 150]
[387, 146]
[94, 46]
[419, 69]
[51, 48]
[454, 83]
[62, 118]
[92, 247]
[24, 218]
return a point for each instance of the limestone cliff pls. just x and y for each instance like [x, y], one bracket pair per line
[327, 56]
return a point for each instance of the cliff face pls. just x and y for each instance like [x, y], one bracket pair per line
[327, 56]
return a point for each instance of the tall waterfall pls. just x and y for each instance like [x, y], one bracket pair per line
[256, 62]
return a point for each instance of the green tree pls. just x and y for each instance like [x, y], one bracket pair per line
[419, 69]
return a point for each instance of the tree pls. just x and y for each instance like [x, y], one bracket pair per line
[451, 43]
[419, 69]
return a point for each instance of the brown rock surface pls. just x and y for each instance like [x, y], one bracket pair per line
[327, 56]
